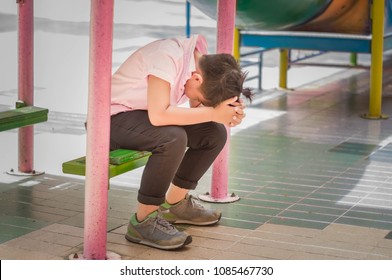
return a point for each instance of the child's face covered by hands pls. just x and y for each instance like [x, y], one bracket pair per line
[192, 90]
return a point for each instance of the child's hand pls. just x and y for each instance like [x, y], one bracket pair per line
[239, 107]
[239, 103]
[230, 112]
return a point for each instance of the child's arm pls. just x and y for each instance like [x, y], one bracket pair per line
[162, 113]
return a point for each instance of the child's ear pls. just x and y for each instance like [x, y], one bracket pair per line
[197, 77]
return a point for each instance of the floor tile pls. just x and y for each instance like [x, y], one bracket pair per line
[364, 223]
[22, 222]
[299, 223]
[355, 148]
[389, 235]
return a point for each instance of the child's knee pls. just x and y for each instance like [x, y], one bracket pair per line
[175, 140]
[216, 136]
[220, 136]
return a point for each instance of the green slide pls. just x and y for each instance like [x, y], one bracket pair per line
[342, 16]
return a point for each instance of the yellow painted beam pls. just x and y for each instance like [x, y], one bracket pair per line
[376, 68]
[283, 67]
[237, 45]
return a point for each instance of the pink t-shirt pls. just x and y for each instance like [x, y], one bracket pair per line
[171, 60]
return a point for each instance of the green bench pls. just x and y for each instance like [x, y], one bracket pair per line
[120, 161]
[22, 116]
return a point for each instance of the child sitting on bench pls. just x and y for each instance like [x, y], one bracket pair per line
[147, 90]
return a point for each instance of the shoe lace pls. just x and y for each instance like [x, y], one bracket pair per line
[195, 203]
[162, 224]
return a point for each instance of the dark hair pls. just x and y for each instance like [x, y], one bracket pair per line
[222, 78]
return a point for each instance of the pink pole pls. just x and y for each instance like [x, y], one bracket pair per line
[225, 40]
[26, 80]
[98, 128]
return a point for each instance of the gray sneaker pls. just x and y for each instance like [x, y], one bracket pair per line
[156, 232]
[189, 211]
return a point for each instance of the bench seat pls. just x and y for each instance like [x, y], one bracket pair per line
[120, 161]
[23, 116]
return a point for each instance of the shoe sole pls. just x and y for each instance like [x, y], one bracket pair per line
[187, 241]
[187, 222]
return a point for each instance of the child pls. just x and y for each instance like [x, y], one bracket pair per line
[147, 90]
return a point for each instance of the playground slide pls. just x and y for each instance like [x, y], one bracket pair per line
[339, 16]
[267, 14]
[342, 16]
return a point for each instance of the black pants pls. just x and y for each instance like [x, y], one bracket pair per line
[180, 154]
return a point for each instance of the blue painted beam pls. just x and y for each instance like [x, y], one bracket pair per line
[307, 41]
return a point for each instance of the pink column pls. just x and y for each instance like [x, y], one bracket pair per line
[225, 40]
[26, 80]
[98, 128]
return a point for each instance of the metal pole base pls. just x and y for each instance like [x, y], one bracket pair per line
[109, 256]
[368, 117]
[19, 173]
[228, 199]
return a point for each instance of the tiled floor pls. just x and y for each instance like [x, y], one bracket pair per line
[313, 177]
